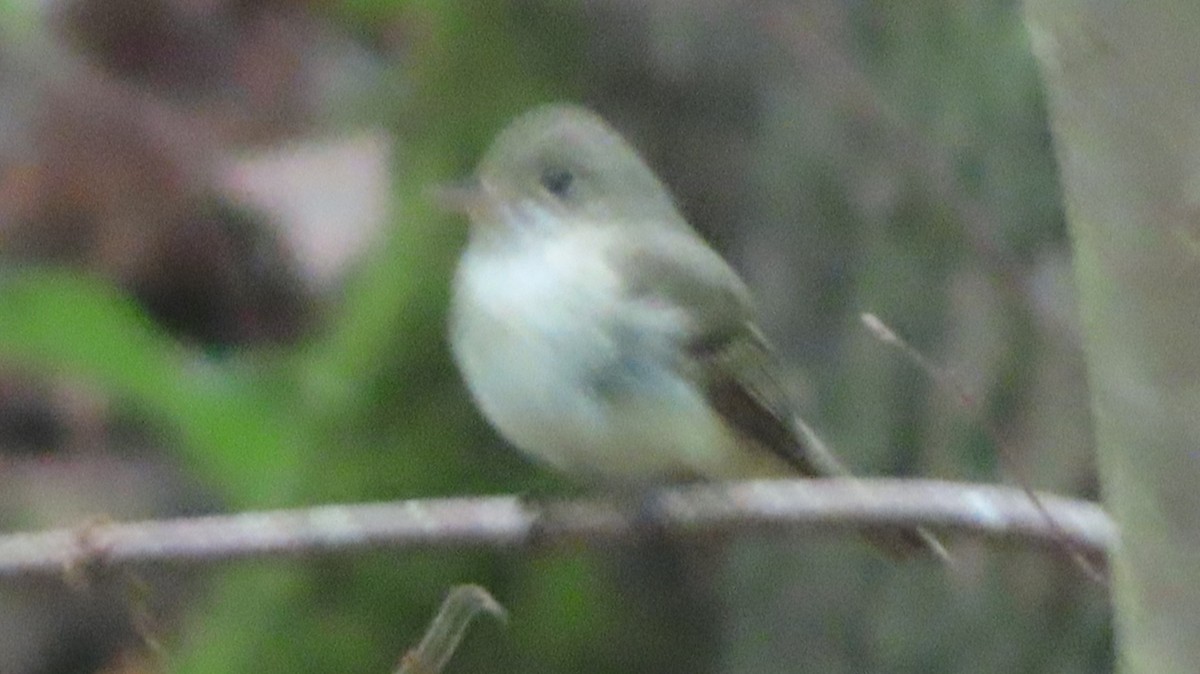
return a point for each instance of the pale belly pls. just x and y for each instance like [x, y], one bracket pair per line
[560, 378]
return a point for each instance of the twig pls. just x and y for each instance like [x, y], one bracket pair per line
[447, 629]
[947, 382]
[509, 522]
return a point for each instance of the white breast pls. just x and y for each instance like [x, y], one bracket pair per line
[535, 325]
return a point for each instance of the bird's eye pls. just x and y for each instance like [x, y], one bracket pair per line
[558, 181]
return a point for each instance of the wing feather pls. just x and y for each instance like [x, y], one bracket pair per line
[721, 349]
[738, 375]
[725, 354]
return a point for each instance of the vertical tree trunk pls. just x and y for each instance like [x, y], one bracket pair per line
[1124, 92]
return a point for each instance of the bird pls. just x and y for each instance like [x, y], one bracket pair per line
[601, 335]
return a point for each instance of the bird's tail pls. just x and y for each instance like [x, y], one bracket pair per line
[896, 542]
[906, 543]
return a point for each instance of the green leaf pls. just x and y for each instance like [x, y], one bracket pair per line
[66, 324]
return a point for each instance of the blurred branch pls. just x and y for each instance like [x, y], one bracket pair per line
[509, 522]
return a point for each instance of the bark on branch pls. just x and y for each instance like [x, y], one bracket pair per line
[992, 511]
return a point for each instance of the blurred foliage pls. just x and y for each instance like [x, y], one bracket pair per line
[847, 156]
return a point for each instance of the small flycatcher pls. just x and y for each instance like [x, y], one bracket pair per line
[601, 335]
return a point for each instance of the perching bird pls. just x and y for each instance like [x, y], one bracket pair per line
[601, 335]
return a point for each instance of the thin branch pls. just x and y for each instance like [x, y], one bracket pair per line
[839, 505]
[947, 382]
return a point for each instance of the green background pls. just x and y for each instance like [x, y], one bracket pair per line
[846, 157]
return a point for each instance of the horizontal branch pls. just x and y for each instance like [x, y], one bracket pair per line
[510, 522]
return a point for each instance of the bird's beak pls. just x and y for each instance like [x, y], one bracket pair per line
[465, 196]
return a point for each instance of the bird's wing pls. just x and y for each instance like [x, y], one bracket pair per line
[725, 354]
[738, 373]
[721, 349]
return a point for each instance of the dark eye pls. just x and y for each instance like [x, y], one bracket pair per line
[558, 181]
